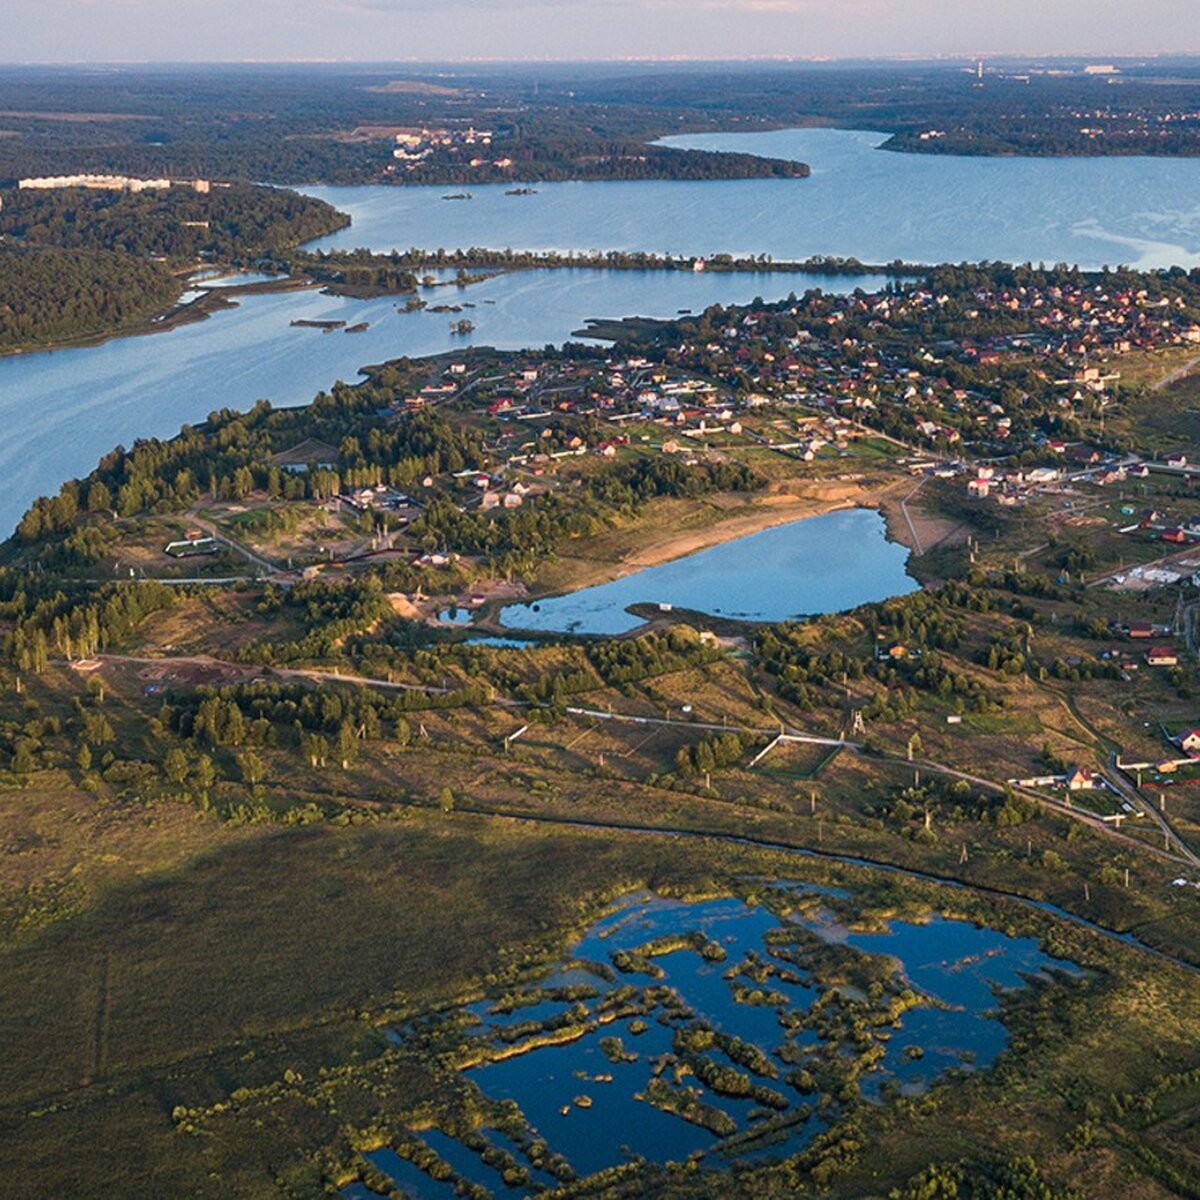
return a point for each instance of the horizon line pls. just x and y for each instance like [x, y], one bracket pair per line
[617, 60]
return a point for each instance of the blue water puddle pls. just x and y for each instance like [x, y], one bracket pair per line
[934, 959]
[542, 1011]
[646, 919]
[616, 1127]
[499, 643]
[463, 1159]
[411, 1180]
[501, 1140]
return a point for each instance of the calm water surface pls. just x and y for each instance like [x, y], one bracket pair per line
[63, 409]
[860, 201]
[816, 565]
[957, 967]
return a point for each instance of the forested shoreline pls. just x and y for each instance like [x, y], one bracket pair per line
[397, 271]
[50, 295]
[229, 224]
[77, 263]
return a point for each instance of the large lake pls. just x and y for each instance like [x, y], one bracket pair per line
[860, 201]
[63, 409]
[817, 565]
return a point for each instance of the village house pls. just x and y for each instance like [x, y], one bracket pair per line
[1162, 656]
[1189, 742]
[306, 454]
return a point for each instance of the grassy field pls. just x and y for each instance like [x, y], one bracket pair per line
[212, 960]
[204, 937]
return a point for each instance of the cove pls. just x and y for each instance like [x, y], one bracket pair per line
[860, 202]
[816, 565]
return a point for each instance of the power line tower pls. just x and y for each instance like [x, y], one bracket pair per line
[857, 724]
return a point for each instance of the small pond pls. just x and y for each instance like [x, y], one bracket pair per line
[497, 642]
[817, 565]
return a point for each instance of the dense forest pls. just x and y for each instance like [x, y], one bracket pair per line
[77, 263]
[311, 124]
[315, 124]
[50, 295]
[228, 224]
[320, 125]
[549, 158]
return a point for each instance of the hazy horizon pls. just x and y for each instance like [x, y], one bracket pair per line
[76, 32]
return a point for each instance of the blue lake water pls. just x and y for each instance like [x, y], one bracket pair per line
[860, 201]
[956, 966]
[817, 565]
[63, 409]
[413, 1182]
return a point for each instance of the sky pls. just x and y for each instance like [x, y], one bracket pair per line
[443, 30]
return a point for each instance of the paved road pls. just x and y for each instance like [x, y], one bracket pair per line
[1132, 795]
